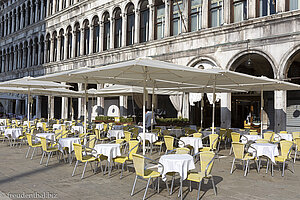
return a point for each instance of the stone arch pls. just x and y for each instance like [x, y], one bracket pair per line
[251, 52]
[286, 61]
[205, 59]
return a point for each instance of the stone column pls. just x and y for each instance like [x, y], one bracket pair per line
[167, 18]
[45, 51]
[252, 8]
[9, 25]
[19, 58]
[205, 13]
[17, 21]
[13, 18]
[101, 36]
[33, 53]
[64, 105]
[12, 60]
[21, 19]
[60, 5]
[24, 56]
[123, 105]
[82, 41]
[90, 49]
[151, 22]
[68, 3]
[137, 26]
[51, 49]
[31, 14]
[5, 28]
[38, 107]
[3, 63]
[18, 107]
[54, 7]
[227, 12]
[280, 101]
[42, 10]
[58, 47]
[100, 101]
[185, 20]
[66, 48]
[112, 33]
[51, 104]
[36, 11]
[226, 110]
[26, 16]
[48, 8]
[124, 29]
[74, 44]
[15, 57]
[75, 1]
[280, 6]
[40, 53]
[28, 55]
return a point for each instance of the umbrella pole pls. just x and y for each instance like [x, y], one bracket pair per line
[144, 117]
[152, 108]
[49, 108]
[261, 110]
[85, 113]
[202, 106]
[28, 107]
[214, 105]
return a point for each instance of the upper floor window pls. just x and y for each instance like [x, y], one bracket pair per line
[216, 13]
[159, 19]
[176, 14]
[144, 22]
[239, 10]
[267, 7]
[106, 34]
[130, 25]
[118, 28]
[195, 15]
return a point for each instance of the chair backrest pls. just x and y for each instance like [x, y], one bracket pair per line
[64, 134]
[166, 132]
[133, 147]
[92, 141]
[205, 161]
[44, 143]
[78, 151]
[139, 164]
[283, 132]
[235, 137]
[105, 127]
[285, 147]
[253, 133]
[97, 133]
[29, 139]
[223, 132]
[295, 134]
[197, 135]
[44, 126]
[190, 131]
[127, 135]
[297, 142]
[213, 141]
[135, 132]
[182, 150]
[238, 150]
[262, 141]
[119, 141]
[169, 142]
[269, 136]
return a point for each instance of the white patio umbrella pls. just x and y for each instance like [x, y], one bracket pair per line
[30, 83]
[139, 72]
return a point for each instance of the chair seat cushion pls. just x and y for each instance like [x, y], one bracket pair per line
[205, 149]
[280, 158]
[37, 145]
[120, 159]
[248, 157]
[52, 149]
[150, 173]
[159, 143]
[88, 158]
[196, 176]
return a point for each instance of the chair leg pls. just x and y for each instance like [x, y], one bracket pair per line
[198, 194]
[122, 170]
[214, 186]
[146, 188]
[293, 168]
[172, 184]
[133, 185]
[246, 169]
[42, 157]
[295, 154]
[232, 166]
[49, 155]
[230, 152]
[33, 153]
[157, 184]
[256, 162]
[75, 168]
[159, 149]
[267, 166]
[84, 170]
[283, 166]
[190, 186]
[27, 152]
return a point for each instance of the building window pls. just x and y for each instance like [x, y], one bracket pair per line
[48, 44]
[195, 15]
[216, 13]
[294, 4]
[144, 22]
[239, 10]
[77, 40]
[118, 28]
[96, 30]
[130, 25]
[36, 51]
[42, 50]
[28, 14]
[159, 19]
[62, 45]
[267, 7]
[54, 47]
[176, 17]
[26, 53]
[69, 51]
[106, 33]
[86, 42]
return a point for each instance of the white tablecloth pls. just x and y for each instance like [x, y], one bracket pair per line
[3, 121]
[57, 126]
[284, 136]
[50, 136]
[77, 128]
[100, 126]
[196, 143]
[117, 127]
[177, 132]
[118, 134]
[25, 123]
[13, 132]
[68, 142]
[265, 149]
[151, 137]
[180, 163]
[250, 138]
[109, 150]
[2, 128]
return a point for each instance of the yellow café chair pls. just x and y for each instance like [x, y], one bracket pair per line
[235, 138]
[31, 145]
[133, 146]
[286, 150]
[283, 132]
[49, 150]
[197, 135]
[297, 148]
[213, 141]
[141, 172]
[82, 158]
[206, 161]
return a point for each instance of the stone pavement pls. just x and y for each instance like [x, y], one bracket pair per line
[23, 176]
